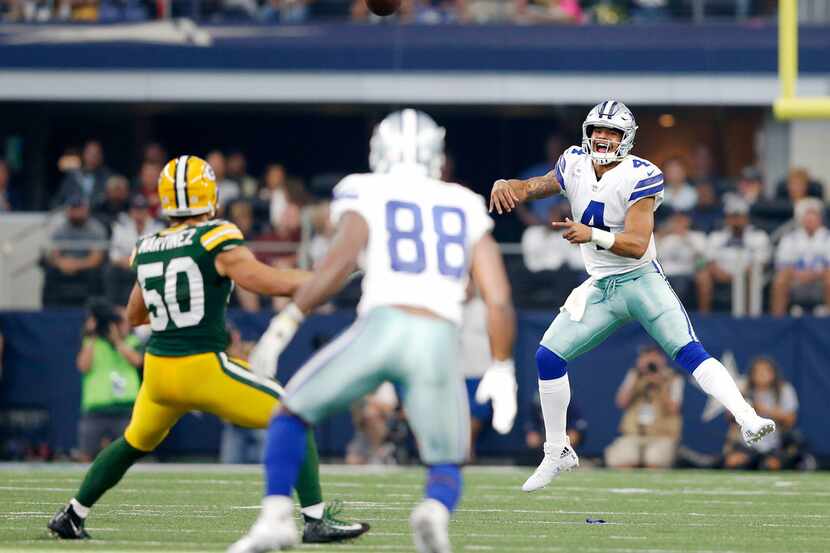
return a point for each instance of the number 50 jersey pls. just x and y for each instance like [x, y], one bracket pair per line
[185, 295]
[421, 235]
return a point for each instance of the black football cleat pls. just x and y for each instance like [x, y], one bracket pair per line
[67, 525]
[329, 528]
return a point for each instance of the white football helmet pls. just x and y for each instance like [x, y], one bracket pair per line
[407, 137]
[609, 114]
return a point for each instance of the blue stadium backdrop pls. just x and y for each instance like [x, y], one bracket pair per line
[40, 392]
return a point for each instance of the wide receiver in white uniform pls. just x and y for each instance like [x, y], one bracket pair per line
[613, 196]
[418, 240]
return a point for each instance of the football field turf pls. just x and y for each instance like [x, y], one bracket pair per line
[205, 507]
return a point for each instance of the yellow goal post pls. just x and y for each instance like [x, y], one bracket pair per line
[788, 105]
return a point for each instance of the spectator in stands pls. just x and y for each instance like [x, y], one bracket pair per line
[750, 185]
[548, 11]
[707, 213]
[284, 11]
[155, 152]
[772, 397]
[228, 189]
[72, 266]
[731, 252]
[241, 213]
[552, 265]
[650, 397]
[279, 191]
[147, 185]
[284, 233]
[122, 10]
[798, 185]
[127, 229]
[802, 263]
[115, 202]
[8, 198]
[650, 11]
[680, 195]
[108, 359]
[682, 254]
[89, 181]
[703, 166]
[537, 213]
[237, 172]
[372, 418]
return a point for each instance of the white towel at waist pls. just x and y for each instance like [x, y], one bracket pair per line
[578, 299]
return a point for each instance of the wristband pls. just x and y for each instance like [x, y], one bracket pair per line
[602, 238]
[504, 365]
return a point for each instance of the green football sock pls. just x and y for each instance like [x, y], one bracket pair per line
[308, 481]
[108, 468]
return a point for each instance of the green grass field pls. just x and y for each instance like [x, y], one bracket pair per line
[204, 508]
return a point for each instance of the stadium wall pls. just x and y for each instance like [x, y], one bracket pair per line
[40, 392]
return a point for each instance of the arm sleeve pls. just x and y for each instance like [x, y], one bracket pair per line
[222, 237]
[559, 171]
[647, 186]
[347, 197]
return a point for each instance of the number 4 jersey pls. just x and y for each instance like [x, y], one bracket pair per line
[185, 295]
[603, 204]
[421, 236]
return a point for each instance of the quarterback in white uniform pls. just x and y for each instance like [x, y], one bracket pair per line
[613, 196]
[418, 241]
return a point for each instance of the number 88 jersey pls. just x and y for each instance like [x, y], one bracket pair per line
[421, 236]
[185, 295]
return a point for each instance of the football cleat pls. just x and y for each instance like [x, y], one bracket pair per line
[556, 460]
[430, 527]
[68, 525]
[330, 528]
[756, 428]
[274, 530]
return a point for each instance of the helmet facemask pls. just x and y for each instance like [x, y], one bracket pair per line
[610, 115]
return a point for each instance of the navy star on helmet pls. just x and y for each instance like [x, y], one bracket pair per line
[409, 138]
[609, 114]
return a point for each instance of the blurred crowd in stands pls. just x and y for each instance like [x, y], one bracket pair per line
[573, 12]
[711, 231]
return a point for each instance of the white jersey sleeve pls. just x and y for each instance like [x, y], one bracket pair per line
[646, 182]
[564, 169]
[347, 197]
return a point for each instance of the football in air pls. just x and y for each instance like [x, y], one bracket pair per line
[383, 7]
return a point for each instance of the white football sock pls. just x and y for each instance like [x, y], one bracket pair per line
[314, 511]
[79, 509]
[555, 395]
[717, 382]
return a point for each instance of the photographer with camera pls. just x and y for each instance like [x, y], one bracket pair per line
[650, 397]
[108, 360]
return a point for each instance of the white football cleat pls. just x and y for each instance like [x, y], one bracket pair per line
[430, 527]
[556, 460]
[756, 428]
[274, 530]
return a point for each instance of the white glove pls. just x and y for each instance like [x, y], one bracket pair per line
[499, 386]
[264, 356]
